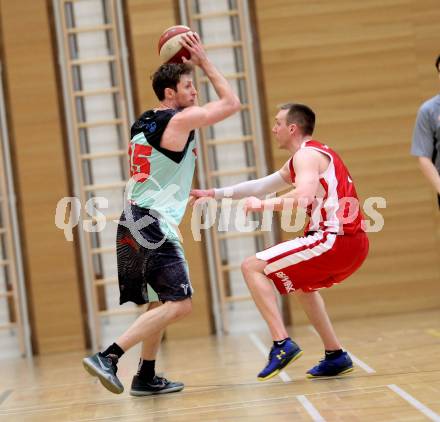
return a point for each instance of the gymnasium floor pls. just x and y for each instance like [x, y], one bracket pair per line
[397, 379]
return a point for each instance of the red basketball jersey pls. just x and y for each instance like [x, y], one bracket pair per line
[336, 208]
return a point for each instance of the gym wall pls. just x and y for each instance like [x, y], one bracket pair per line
[37, 140]
[365, 67]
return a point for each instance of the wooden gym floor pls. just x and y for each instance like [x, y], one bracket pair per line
[397, 378]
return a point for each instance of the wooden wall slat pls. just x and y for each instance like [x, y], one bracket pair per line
[41, 180]
[365, 67]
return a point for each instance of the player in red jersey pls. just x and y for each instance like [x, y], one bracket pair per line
[334, 244]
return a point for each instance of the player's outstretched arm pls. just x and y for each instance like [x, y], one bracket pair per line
[306, 165]
[273, 183]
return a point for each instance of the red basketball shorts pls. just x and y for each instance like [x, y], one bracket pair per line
[315, 261]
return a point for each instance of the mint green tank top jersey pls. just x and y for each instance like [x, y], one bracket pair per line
[161, 179]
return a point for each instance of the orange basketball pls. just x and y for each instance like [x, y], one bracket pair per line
[170, 49]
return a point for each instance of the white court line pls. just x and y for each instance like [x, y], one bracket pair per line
[368, 369]
[263, 349]
[361, 364]
[414, 402]
[310, 409]
[5, 395]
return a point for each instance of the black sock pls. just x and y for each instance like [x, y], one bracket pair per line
[114, 349]
[333, 354]
[146, 370]
[280, 343]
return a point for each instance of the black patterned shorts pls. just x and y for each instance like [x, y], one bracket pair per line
[147, 258]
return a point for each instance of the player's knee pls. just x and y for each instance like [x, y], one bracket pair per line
[187, 307]
[252, 265]
[248, 265]
[308, 295]
[181, 309]
[153, 305]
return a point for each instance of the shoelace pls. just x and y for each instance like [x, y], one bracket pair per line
[329, 362]
[272, 353]
[162, 380]
[114, 361]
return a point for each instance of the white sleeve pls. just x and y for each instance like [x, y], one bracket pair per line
[258, 187]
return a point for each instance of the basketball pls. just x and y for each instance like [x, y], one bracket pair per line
[170, 49]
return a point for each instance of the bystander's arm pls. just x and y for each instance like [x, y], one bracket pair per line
[430, 172]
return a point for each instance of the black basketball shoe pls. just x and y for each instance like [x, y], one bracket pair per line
[158, 385]
[104, 367]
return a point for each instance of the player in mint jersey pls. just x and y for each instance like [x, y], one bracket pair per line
[170, 174]
[149, 251]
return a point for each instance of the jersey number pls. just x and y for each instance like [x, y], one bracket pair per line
[139, 164]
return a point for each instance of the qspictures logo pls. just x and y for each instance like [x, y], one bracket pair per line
[227, 214]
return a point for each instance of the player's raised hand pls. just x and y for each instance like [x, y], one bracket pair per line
[191, 41]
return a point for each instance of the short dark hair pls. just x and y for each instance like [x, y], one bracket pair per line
[168, 76]
[437, 63]
[301, 115]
